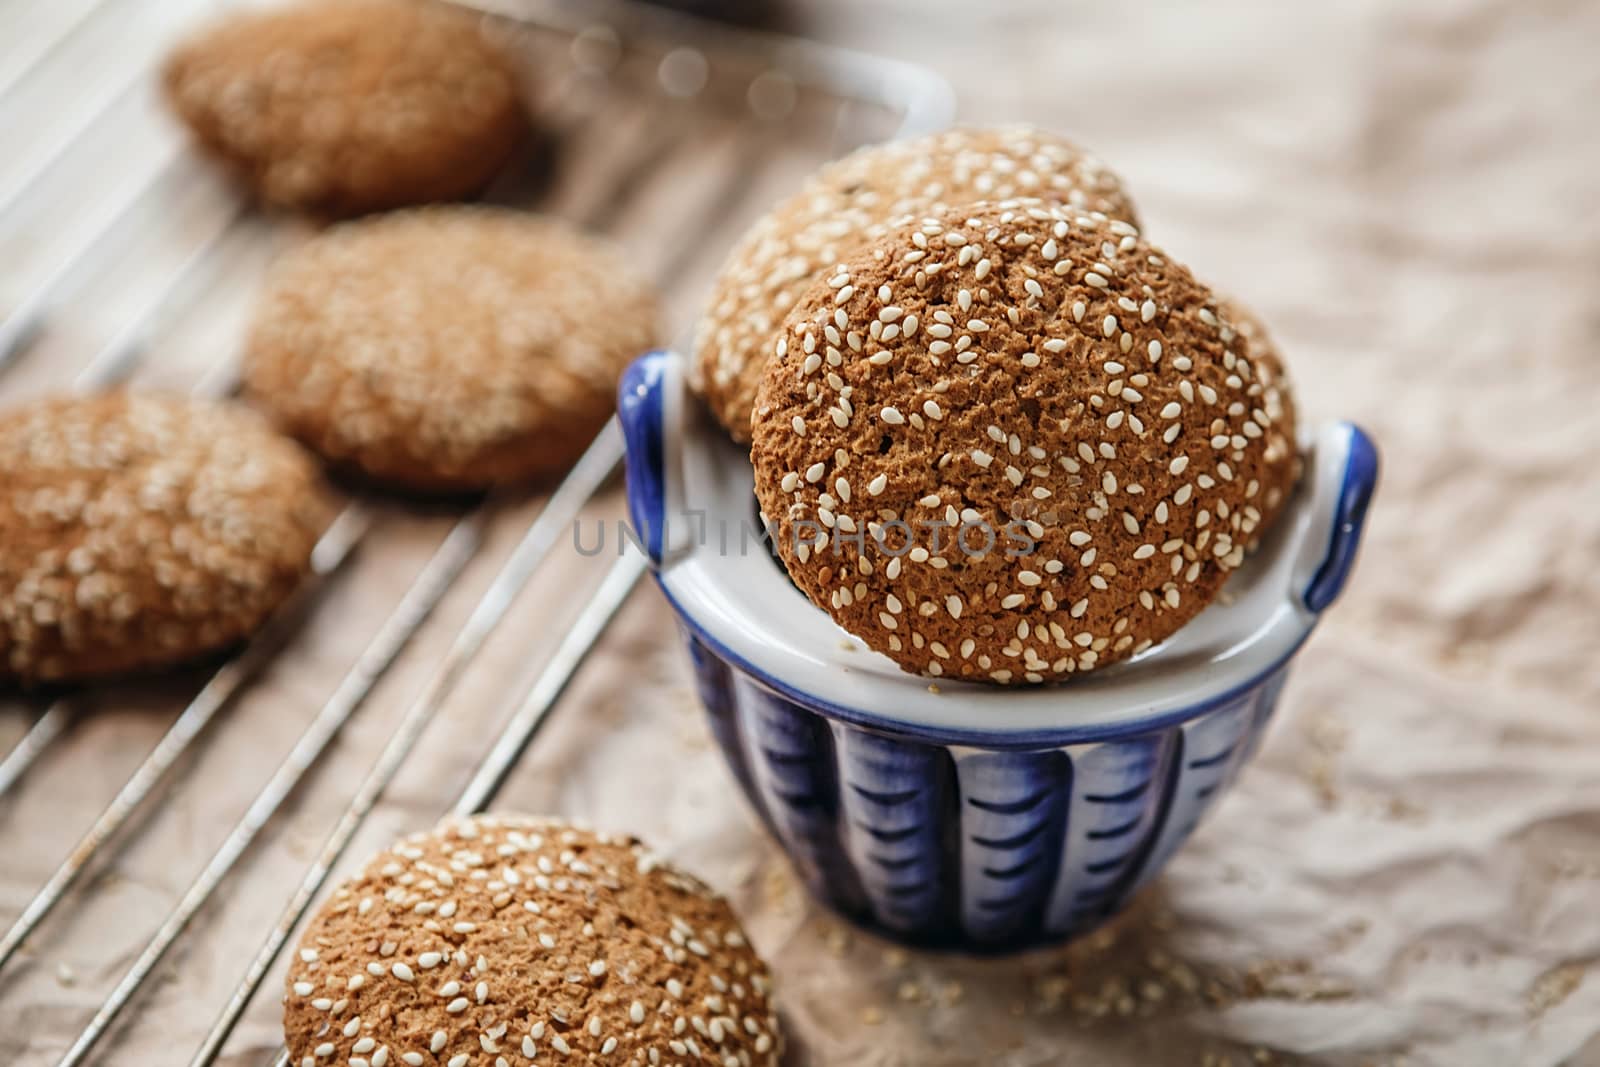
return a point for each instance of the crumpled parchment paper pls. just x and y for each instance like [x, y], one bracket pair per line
[1409, 872]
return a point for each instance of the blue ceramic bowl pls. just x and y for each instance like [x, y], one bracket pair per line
[962, 815]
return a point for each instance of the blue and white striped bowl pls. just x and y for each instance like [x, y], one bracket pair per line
[963, 815]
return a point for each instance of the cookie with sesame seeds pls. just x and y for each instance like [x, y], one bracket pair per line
[508, 939]
[448, 348]
[851, 202]
[351, 107]
[1277, 400]
[1011, 443]
[140, 530]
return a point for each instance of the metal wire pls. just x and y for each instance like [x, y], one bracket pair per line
[113, 362]
[62, 145]
[331, 552]
[109, 366]
[530, 715]
[45, 729]
[541, 696]
[24, 322]
[117, 358]
[430, 586]
[586, 477]
[76, 23]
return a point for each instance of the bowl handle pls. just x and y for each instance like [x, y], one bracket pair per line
[1345, 476]
[649, 401]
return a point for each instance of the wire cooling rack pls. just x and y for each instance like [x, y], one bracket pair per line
[127, 260]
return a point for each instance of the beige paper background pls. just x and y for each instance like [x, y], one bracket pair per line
[1410, 871]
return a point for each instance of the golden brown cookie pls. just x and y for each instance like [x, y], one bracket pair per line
[1023, 372]
[853, 201]
[448, 348]
[509, 939]
[1277, 400]
[343, 108]
[139, 530]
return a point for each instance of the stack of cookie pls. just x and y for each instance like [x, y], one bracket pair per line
[997, 434]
